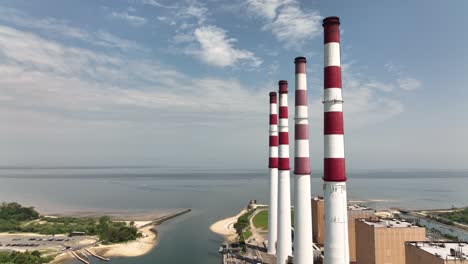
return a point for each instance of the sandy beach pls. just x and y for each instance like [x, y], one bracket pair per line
[136, 248]
[225, 227]
[62, 258]
[139, 247]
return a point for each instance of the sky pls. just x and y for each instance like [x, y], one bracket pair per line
[185, 84]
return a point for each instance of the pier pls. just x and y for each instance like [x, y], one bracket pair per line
[96, 255]
[169, 217]
[165, 218]
[79, 257]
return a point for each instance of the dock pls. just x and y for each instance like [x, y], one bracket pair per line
[96, 255]
[79, 257]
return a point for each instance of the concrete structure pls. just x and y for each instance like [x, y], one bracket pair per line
[336, 249]
[303, 253]
[273, 167]
[382, 241]
[426, 252]
[284, 245]
[354, 212]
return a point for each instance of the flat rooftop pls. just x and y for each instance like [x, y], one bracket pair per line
[387, 223]
[356, 207]
[444, 250]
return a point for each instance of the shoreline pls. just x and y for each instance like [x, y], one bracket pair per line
[225, 227]
[145, 222]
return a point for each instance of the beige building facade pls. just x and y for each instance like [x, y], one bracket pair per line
[382, 241]
[318, 218]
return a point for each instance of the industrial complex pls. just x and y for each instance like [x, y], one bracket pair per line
[327, 229]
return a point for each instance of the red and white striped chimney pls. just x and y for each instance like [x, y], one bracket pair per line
[284, 248]
[303, 251]
[334, 188]
[273, 167]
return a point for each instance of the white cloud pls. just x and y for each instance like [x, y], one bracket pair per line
[208, 43]
[287, 21]
[404, 81]
[106, 39]
[133, 20]
[390, 67]
[264, 8]
[53, 27]
[216, 48]
[46, 77]
[184, 38]
[154, 3]
[409, 84]
[193, 9]
[386, 87]
[366, 101]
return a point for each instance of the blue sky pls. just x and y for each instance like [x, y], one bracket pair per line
[185, 83]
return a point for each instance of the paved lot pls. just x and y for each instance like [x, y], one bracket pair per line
[37, 242]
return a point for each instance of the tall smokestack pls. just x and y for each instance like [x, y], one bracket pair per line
[303, 252]
[273, 167]
[284, 193]
[334, 187]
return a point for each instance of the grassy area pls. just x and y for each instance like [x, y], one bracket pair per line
[457, 216]
[247, 233]
[242, 225]
[260, 220]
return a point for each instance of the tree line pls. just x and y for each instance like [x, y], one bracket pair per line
[16, 218]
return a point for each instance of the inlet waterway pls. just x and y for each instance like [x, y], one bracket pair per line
[211, 195]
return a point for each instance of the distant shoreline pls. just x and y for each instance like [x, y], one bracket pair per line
[144, 221]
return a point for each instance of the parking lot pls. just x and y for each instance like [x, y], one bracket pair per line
[35, 242]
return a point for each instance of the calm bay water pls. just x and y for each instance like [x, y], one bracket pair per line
[211, 195]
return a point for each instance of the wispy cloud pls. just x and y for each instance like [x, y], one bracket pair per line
[193, 9]
[131, 19]
[409, 83]
[404, 81]
[209, 43]
[53, 27]
[367, 101]
[216, 48]
[265, 8]
[287, 21]
[155, 3]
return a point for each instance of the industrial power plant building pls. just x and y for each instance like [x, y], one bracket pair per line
[354, 212]
[348, 234]
[382, 241]
[426, 252]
